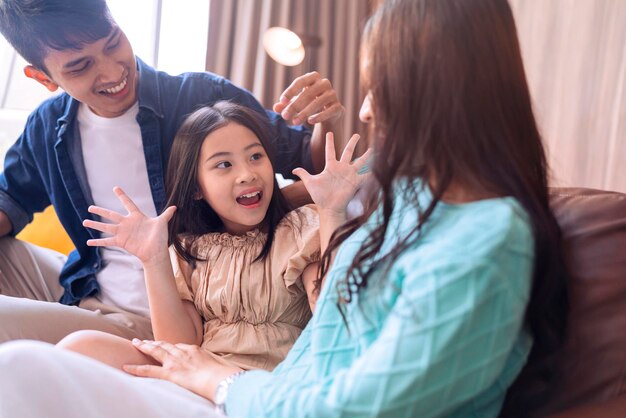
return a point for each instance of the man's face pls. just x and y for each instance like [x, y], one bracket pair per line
[102, 74]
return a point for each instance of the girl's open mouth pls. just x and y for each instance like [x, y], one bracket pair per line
[250, 199]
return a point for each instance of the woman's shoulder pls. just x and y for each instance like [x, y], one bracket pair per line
[481, 242]
[496, 224]
[485, 230]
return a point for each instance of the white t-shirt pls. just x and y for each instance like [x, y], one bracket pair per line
[113, 155]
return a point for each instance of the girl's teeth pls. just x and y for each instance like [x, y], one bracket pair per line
[250, 194]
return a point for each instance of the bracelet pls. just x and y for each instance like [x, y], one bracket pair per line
[221, 392]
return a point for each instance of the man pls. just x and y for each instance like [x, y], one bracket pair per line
[113, 126]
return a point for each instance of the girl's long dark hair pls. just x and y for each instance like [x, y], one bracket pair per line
[194, 217]
[451, 103]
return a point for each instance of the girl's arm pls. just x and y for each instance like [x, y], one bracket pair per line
[173, 319]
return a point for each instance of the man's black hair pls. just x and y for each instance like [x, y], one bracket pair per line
[34, 27]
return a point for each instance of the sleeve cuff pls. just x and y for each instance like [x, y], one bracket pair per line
[242, 391]
[18, 216]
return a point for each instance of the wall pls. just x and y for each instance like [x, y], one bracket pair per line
[575, 58]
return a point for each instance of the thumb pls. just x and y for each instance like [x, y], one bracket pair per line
[302, 173]
[168, 213]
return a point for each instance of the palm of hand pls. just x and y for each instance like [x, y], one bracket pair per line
[336, 185]
[138, 234]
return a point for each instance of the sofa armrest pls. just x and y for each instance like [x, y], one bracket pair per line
[613, 408]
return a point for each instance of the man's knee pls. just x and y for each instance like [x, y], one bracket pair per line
[27, 319]
[27, 270]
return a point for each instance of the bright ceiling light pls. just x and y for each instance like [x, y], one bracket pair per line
[284, 46]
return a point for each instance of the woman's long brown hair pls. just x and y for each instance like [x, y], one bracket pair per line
[451, 103]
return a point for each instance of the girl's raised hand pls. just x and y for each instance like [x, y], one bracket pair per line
[138, 234]
[333, 188]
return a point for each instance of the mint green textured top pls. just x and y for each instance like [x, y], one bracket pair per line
[439, 336]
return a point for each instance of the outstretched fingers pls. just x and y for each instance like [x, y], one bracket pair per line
[102, 242]
[330, 148]
[100, 226]
[362, 163]
[168, 213]
[302, 174]
[106, 214]
[348, 151]
[126, 201]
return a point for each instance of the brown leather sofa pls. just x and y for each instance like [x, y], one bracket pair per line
[594, 359]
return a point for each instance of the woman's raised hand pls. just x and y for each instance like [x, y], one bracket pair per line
[336, 185]
[138, 234]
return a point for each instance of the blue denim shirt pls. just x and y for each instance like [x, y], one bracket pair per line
[45, 166]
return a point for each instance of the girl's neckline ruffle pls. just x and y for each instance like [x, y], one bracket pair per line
[226, 239]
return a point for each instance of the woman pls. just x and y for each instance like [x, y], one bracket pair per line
[431, 298]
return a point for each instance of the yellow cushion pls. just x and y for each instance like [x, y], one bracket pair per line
[46, 231]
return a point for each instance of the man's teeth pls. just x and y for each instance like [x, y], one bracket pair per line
[117, 88]
[249, 195]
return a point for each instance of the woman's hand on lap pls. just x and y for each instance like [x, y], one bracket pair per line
[186, 365]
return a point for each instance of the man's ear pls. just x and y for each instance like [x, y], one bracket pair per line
[40, 77]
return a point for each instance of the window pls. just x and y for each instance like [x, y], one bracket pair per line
[170, 35]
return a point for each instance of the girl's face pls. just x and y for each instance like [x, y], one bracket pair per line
[235, 177]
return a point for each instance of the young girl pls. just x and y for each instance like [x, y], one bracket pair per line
[243, 265]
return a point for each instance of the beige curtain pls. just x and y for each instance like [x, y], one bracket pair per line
[575, 57]
[235, 48]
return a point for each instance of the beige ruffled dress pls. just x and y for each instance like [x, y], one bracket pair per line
[253, 312]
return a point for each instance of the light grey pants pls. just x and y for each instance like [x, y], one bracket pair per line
[39, 380]
[30, 289]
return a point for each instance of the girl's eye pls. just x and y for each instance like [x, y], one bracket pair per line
[223, 164]
[256, 156]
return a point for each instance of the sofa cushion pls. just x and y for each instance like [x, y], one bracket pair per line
[593, 224]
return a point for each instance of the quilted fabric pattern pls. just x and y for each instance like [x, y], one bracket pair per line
[440, 335]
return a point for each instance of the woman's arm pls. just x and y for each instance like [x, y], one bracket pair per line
[446, 340]
[173, 319]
